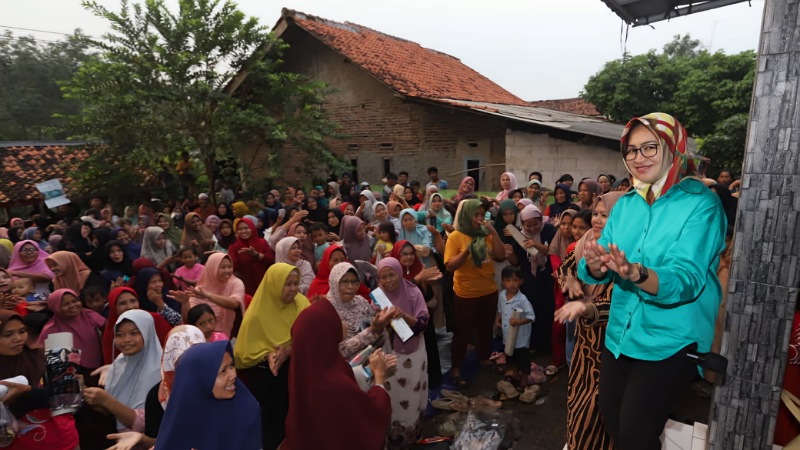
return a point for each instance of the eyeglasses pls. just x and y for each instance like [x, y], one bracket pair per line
[350, 282]
[28, 250]
[648, 150]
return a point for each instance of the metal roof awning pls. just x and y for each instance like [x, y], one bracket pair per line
[575, 123]
[645, 12]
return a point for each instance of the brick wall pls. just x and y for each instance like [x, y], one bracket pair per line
[553, 157]
[381, 126]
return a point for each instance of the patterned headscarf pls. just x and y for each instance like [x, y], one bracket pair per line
[673, 139]
[180, 338]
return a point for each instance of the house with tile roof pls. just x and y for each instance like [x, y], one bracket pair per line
[402, 106]
[571, 105]
[27, 163]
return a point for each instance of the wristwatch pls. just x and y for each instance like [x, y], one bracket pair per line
[643, 274]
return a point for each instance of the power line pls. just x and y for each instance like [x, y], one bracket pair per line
[35, 30]
[22, 38]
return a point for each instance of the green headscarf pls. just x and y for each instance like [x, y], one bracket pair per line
[477, 248]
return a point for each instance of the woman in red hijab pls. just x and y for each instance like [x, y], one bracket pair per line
[251, 255]
[120, 300]
[362, 419]
[333, 255]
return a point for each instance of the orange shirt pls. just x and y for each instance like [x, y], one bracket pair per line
[470, 281]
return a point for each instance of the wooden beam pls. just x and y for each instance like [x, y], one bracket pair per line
[765, 275]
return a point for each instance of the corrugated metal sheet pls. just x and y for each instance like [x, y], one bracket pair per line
[645, 12]
[565, 121]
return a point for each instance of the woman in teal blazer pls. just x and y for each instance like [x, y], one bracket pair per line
[660, 248]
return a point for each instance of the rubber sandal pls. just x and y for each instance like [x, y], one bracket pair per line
[481, 401]
[507, 389]
[530, 394]
[455, 395]
[444, 404]
[460, 406]
[551, 370]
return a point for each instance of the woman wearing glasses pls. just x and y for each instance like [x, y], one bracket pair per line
[28, 261]
[660, 248]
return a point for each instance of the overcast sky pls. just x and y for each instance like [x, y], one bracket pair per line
[537, 49]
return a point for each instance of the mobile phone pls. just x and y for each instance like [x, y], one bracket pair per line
[281, 213]
[125, 279]
[433, 221]
[487, 216]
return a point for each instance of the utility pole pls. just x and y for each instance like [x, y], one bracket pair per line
[765, 275]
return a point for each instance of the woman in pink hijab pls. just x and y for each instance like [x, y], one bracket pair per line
[220, 289]
[508, 181]
[409, 386]
[70, 317]
[28, 261]
[466, 187]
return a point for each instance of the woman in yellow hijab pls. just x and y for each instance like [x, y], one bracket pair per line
[264, 346]
[240, 209]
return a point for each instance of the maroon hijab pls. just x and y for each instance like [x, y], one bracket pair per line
[361, 420]
[408, 272]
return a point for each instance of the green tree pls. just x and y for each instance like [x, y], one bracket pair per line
[708, 92]
[29, 93]
[160, 87]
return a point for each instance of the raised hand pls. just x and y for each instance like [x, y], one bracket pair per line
[616, 261]
[572, 287]
[570, 312]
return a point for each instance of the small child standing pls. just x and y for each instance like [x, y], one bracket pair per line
[511, 300]
[190, 271]
[387, 236]
[319, 238]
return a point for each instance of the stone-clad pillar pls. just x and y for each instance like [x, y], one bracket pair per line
[765, 274]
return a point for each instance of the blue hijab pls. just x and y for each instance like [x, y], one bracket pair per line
[419, 236]
[195, 419]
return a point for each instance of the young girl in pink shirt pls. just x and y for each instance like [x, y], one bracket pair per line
[202, 316]
[190, 271]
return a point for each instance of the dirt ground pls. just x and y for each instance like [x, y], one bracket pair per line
[543, 424]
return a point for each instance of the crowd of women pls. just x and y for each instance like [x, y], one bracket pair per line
[245, 325]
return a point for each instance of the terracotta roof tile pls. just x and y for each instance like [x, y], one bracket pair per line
[570, 105]
[26, 165]
[404, 66]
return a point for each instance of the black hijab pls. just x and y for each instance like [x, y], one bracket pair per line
[729, 202]
[317, 215]
[124, 267]
[13, 234]
[556, 209]
[73, 241]
[339, 214]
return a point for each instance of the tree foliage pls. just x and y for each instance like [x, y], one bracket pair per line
[709, 93]
[29, 93]
[158, 88]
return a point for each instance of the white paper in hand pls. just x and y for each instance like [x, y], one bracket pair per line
[400, 326]
[520, 238]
